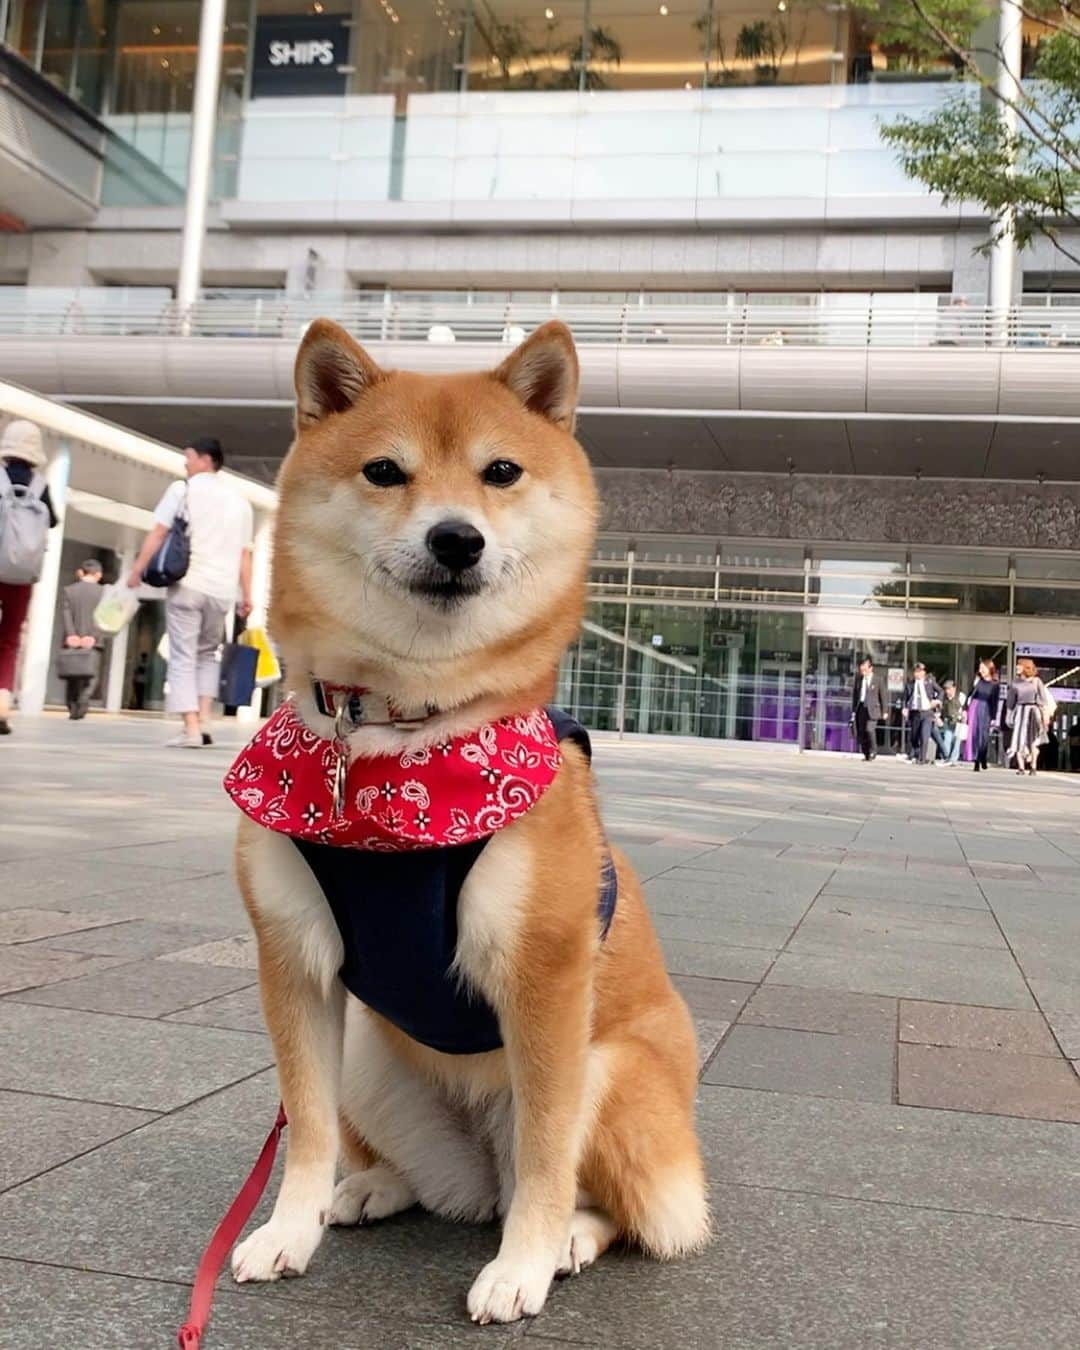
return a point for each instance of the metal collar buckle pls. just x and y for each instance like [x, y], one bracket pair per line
[345, 704]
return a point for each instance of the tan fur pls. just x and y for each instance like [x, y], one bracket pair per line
[588, 1109]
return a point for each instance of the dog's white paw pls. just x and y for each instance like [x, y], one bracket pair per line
[277, 1248]
[373, 1193]
[590, 1234]
[507, 1289]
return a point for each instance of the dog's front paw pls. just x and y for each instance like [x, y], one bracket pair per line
[507, 1289]
[373, 1193]
[277, 1248]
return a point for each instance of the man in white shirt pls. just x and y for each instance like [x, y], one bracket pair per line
[922, 699]
[220, 530]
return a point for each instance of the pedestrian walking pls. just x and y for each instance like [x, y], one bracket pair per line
[868, 701]
[25, 506]
[982, 711]
[1027, 715]
[954, 728]
[78, 663]
[219, 569]
[922, 699]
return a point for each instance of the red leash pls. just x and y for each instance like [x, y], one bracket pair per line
[189, 1337]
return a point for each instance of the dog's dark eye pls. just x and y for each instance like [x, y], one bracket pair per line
[385, 473]
[502, 473]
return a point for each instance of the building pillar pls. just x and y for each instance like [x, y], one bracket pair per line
[38, 648]
[118, 645]
[1003, 272]
[260, 599]
[201, 158]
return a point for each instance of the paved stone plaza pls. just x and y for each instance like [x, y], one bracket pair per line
[884, 963]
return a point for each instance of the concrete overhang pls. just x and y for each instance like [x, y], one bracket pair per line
[935, 411]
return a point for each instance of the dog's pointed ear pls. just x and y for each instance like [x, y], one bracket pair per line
[543, 372]
[332, 371]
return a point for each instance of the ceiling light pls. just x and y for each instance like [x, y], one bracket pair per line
[664, 10]
[317, 6]
[781, 5]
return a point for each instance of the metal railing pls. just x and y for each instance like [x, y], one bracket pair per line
[1050, 322]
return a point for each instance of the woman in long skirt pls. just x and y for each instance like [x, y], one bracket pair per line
[982, 711]
[1025, 713]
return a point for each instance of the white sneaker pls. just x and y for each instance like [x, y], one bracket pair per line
[185, 742]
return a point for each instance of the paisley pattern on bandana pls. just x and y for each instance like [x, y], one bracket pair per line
[456, 792]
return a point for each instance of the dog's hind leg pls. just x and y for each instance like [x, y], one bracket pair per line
[642, 1164]
[423, 1143]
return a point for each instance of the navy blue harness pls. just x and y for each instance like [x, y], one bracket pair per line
[397, 915]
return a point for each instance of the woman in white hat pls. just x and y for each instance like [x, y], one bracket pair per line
[23, 455]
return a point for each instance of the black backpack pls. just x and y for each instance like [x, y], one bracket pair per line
[170, 563]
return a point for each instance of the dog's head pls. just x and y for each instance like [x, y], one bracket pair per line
[431, 519]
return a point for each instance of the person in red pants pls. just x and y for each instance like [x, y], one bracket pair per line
[23, 456]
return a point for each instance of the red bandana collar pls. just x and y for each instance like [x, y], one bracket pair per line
[458, 791]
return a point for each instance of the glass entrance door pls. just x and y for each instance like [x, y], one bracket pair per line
[777, 713]
[832, 663]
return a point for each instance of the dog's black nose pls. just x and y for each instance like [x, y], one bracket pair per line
[456, 544]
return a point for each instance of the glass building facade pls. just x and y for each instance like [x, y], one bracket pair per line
[751, 641]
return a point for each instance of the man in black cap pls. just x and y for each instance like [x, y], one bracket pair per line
[81, 652]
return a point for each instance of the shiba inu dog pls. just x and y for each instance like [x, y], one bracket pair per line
[431, 551]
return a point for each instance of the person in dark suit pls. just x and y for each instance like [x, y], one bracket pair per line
[81, 636]
[869, 699]
[923, 697]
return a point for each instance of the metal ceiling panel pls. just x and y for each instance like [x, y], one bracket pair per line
[932, 380]
[932, 449]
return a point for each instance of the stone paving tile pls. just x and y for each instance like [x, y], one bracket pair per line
[135, 938]
[30, 967]
[87, 1309]
[28, 925]
[1034, 1086]
[696, 897]
[916, 970]
[710, 1033]
[775, 1059]
[69, 880]
[651, 860]
[834, 920]
[241, 1011]
[141, 989]
[1064, 995]
[719, 999]
[42, 1132]
[729, 932]
[831, 1011]
[122, 1061]
[237, 951]
[967, 1028]
[855, 1276]
[899, 885]
[716, 962]
[950, 1160]
[1066, 1028]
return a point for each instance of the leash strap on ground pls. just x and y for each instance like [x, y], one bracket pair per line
[189, 1337]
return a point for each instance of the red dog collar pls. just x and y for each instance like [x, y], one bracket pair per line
[460, 790]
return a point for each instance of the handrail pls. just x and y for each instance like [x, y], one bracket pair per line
[918, 322]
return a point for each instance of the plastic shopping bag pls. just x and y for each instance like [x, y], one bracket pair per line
[267, 669]
[116, 608]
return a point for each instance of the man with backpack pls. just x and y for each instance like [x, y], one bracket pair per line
[26, 517]
[200, 548]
